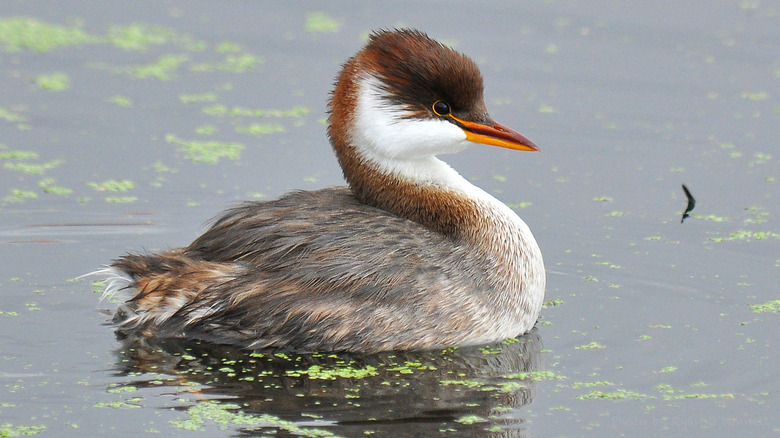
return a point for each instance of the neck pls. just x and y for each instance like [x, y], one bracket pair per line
[427, 192]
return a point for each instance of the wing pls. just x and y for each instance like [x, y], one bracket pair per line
[325, 236]
[316, 270]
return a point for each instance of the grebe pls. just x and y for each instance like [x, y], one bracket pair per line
[409, 256]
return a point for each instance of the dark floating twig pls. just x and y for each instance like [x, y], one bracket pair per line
[691, 203]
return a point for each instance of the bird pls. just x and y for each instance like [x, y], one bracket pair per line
[409, 255]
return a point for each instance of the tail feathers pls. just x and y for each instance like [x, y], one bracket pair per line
[115, 281]
[160, 286]
[144, 265]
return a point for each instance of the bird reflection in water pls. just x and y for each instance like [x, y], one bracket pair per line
[478, 388]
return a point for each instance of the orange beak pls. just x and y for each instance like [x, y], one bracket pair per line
[495, 134]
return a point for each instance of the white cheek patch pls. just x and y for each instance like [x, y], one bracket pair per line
[407, 148]
[381, 129]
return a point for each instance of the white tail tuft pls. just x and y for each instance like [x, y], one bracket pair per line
[117, 282]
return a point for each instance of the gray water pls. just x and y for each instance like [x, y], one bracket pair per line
[125, 126]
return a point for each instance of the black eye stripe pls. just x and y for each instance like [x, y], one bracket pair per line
[442, 108]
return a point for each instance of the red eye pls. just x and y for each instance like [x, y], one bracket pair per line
[442, 108]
